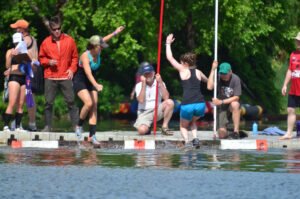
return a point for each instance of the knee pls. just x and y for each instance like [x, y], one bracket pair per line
[170, 103]
[235, 106]
[89, 104]
[143, 129]
[291, 110]
[222, 132]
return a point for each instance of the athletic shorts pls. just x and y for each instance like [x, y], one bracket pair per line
[188, 111]
[293, 101]
[146, 117]
[17, 78]
[81, 82]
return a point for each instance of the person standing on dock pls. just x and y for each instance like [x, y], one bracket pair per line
[193, 104]
[86, 85]
[227, 101]
[145, 94]
[293, 76]
[59, 57]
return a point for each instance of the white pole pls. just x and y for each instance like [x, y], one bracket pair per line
[215, 76]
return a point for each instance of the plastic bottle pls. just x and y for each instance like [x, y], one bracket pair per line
[254, 128]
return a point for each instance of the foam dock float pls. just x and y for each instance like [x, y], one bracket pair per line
[139, 144]
[244, 144]
[35, 144]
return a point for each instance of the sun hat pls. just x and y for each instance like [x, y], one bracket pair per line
[21, 23]
[298, 36]
[225, 68]
[98, 40]
[147, 69]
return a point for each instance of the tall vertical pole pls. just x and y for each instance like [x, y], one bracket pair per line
[215, 76]
[158, 62]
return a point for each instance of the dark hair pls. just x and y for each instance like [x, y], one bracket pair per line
[90, 46]
[54, 21]
[189, 58]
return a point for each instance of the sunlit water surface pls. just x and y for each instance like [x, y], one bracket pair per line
[177, 173]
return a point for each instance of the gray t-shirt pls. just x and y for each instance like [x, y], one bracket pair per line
[227, 89]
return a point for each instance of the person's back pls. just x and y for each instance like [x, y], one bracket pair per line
[191, 89]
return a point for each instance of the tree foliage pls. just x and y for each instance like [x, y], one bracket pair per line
[252, 33]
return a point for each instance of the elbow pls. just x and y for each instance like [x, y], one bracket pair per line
[209, 87]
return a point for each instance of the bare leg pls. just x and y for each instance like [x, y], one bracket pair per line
[290, 123]
[168, 106]
[86, 98]
[194, 127]
[235, 109]
[184, 124]
[93, 110]
[14, 96]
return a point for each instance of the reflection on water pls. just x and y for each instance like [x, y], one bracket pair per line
[282, 161]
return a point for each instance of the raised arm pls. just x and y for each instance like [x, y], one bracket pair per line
[210, 81]
[114, 33]
[170, 39]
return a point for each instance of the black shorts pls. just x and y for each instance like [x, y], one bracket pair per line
[17, 78]
[293, 101]
[81, 82]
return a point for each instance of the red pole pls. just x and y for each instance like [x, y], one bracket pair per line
[158, 62]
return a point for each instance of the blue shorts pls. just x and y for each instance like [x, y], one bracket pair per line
[189, 110]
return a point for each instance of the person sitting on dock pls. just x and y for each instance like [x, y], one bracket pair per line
[145, 94]
[293, 75]
[228, 95]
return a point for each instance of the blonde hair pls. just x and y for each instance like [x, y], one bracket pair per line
[189, 58]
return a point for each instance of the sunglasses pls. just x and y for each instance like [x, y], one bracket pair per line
[55, 29]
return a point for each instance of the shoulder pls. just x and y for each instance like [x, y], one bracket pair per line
[235, 78]
[47, 40]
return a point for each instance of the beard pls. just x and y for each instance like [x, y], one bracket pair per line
[150, 79]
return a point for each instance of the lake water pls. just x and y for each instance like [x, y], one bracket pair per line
[178, 173]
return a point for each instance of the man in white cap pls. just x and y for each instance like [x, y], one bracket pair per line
[146, 94]
[293, 75]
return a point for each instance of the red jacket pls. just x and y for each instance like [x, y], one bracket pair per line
[66, 57]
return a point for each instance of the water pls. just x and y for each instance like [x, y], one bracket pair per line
[181, 173]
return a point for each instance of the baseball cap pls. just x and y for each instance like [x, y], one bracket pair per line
[17, 37]
[225, 68]
[98, 40]
[21, 23]
[147, 69]
[298, 36]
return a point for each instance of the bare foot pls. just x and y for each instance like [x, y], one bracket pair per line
[286, 137]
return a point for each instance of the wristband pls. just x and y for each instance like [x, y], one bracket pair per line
[222, 101]
[168, 43]
[114, 33]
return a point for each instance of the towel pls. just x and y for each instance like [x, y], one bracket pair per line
[272, 131]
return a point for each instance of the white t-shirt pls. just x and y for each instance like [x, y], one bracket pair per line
[149, 95]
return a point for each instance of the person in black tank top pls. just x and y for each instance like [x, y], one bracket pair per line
[193, 105]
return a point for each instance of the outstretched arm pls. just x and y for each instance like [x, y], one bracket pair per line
[210, 81]
[117, 31]
[174, 63]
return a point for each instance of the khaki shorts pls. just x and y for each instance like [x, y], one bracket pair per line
[146, 117]
[222, 117]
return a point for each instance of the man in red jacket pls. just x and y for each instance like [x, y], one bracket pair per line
[59, 57]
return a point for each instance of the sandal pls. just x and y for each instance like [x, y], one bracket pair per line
[166, 131]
